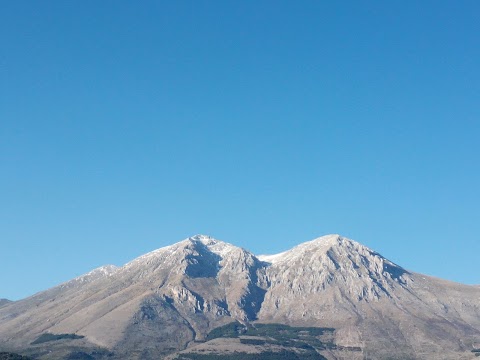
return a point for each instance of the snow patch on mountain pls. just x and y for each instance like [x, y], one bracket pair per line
[96, 274]
[271, 258]
[318, 244]
[216, 246]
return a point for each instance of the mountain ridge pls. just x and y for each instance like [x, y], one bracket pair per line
[169, 299]
[4, 301]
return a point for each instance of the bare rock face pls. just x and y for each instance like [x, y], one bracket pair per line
[169, 300]
[326, 279]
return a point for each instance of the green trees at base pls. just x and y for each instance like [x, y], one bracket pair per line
[11, 356]
[53, 337]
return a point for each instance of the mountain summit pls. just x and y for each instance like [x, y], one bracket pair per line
[169, 302]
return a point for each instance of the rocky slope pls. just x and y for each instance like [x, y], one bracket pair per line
[373, 303]
[170, 299]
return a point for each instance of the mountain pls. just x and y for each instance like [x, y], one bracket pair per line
[372, 302]
[4, 302]
[328, 298]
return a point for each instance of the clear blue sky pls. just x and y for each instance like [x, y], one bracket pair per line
[126, 126]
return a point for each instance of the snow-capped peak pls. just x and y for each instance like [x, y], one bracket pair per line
[205, 239]
[218, 247]
[323, 242]
[197, 243]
